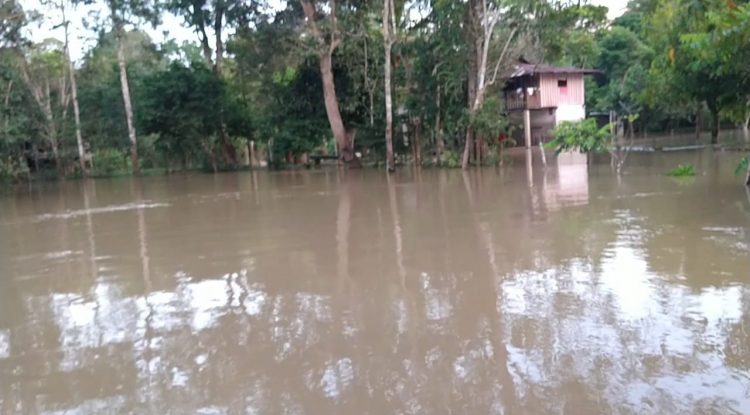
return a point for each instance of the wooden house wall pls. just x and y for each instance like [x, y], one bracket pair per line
[551, 95]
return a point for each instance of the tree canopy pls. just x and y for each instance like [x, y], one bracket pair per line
[259, 83]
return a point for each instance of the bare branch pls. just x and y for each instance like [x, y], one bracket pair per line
[502, 56]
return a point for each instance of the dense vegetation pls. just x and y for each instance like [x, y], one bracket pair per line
[380, 81]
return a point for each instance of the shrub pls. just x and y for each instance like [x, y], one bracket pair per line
[583, 136]
[451, 159]
[110, 162]
[13, 169]
[683, 170]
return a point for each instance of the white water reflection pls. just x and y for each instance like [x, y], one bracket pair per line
[106, 209]
[336, 378]
[625, 319]
[437, 300]
[4, 344]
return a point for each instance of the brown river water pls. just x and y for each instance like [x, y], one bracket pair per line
[521, 290]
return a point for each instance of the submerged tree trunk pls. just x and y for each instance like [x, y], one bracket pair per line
[388, 42]
[698, 122]
[417, 140]
[126, 101]
[439, 143]
[714, 109]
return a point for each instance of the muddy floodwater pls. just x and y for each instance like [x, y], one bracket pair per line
[522, 290]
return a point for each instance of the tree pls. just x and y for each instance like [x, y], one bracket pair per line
[215, 14]
[61, 5]
[122, 13]
[20, 119]
[12, 21]
[692, 72]
[483, 17]
[100, 95]
[326, 46]
[43, 72]
[182, 105]
[725, 42]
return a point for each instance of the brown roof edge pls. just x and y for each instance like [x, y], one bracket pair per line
[530, 69]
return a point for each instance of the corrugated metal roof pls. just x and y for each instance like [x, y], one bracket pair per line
[530, 69]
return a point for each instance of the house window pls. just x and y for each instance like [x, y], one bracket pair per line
[562, 85]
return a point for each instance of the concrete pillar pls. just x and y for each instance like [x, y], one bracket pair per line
[527, 127]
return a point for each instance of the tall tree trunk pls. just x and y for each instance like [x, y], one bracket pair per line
[6, 108]
[77, 117]
[126, 100]
[473, 40]
[388, 42]
[51, 127]
[369, 85]
[219, 43]
[74, 95]
[201, 28]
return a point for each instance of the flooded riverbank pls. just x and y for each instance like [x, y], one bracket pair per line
[526, 289]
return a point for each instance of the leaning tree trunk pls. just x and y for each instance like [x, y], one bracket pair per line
[345, 150]
[343, 142]
[126, 101]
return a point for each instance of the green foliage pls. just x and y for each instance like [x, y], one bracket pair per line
[742, 166]
[583, 136]
[683, 170]
[13, 169]
[452, 159]
[110, 162]
[489, 121]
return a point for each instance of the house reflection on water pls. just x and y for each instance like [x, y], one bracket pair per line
[563, 179]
